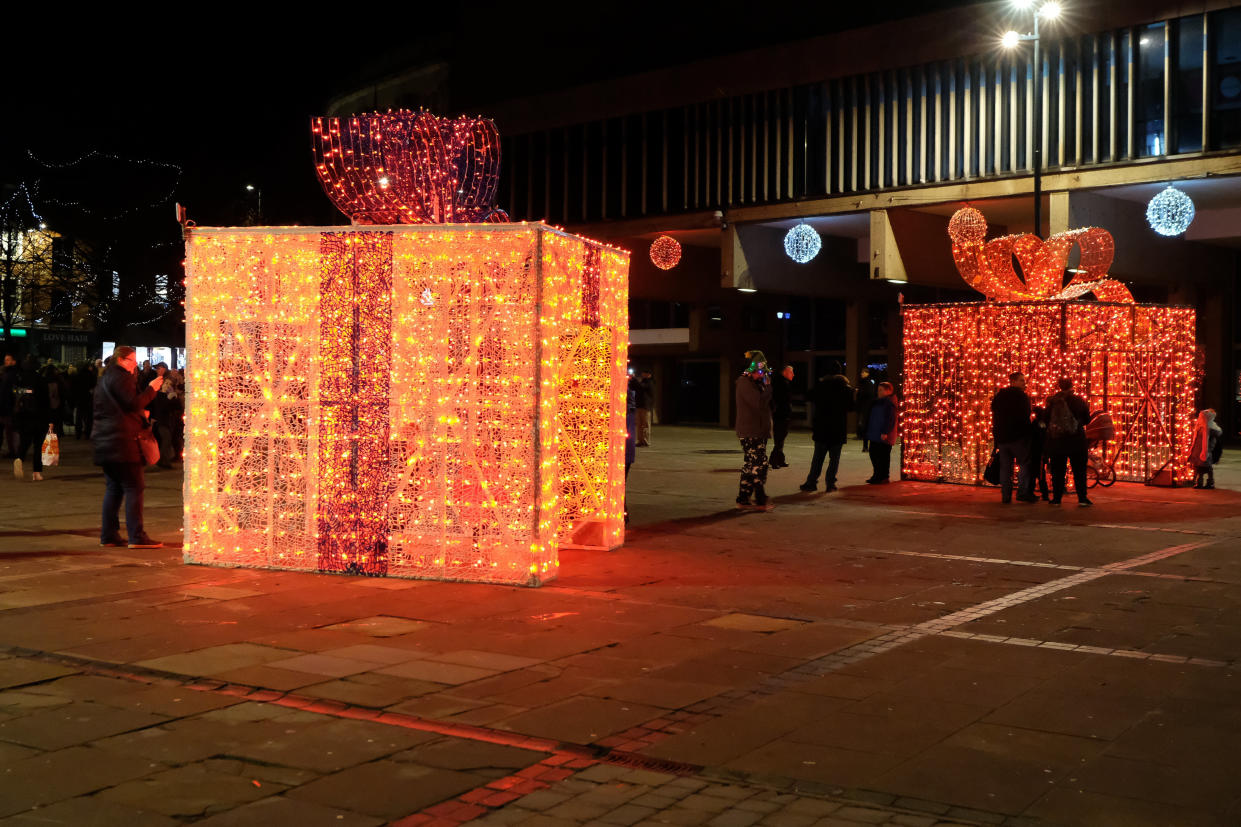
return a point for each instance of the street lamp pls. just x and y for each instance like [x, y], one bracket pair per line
[1049, 10]
[259, 194]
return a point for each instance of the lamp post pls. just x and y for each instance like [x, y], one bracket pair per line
[1049, 10]
[258, 213]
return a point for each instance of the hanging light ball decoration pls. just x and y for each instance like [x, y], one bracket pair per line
[802, 243]
[665, 252]
[1170, 212]
[967, 226]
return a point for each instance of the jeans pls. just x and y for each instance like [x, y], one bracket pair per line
[753, 471]
[779, 432]
[1017, 451]
[124, 481]
[822, 450]
[1056, 459]
[644, 426]
[32, 436]
[880, 459]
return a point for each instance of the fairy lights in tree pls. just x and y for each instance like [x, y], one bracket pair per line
[1170, 212]
[1135, 361]
[665, 252]
[802, 243]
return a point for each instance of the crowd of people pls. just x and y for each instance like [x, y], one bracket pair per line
[764, 408]
[1035, 441]
[114, 404]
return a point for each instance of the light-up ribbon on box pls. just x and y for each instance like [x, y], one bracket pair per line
[987, 266]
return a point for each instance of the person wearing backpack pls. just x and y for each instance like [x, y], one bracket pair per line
[1206, 449]
[1067, 415]
[31, 413]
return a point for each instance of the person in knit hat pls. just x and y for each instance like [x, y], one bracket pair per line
[754, 428]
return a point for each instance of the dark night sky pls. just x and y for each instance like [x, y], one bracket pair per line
[227, 96]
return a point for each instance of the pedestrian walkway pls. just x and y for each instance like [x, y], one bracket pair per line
[907, 654]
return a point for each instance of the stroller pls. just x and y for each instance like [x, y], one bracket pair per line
[1099, 431]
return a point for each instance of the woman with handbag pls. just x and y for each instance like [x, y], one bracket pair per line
[123, 442]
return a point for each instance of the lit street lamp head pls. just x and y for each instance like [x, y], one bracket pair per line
[1050, 11]
[1023, 4]
[1010, 39]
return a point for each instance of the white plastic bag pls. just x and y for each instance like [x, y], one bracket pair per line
[51, 448]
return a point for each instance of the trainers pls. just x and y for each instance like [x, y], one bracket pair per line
[808, 487]
[17, 469]
[146, 542]
[830, 488]
[743, 503]
[1084, 501]
[37, 476]
[115, 542]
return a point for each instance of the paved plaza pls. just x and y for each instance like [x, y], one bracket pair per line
[908, 654]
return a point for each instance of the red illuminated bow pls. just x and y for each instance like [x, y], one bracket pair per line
[408, 167]
[987, 266]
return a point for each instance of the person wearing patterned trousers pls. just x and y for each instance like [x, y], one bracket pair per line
[754, 472]
[754, 428]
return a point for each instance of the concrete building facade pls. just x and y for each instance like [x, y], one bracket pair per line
[874, 137]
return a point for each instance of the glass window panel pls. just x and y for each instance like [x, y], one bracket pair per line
[1187, 85]
[1225, 55]
[1148, 97]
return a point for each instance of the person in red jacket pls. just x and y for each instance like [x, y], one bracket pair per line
[120, 416]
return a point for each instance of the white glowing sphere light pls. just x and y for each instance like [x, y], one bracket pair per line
[802, 243]
[1170, 212]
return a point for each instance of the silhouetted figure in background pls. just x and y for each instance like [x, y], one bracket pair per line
[832, 399]
[781, 413]
[865, 398]
[881, 433]
[1010, 429]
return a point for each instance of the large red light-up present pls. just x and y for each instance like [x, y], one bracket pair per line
[414, 401]
[1135, 361]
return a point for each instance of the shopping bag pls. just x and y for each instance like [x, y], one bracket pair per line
[51, 448]
[148, 446]
[992, 472]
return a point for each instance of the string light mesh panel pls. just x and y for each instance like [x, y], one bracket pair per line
[1135, 361]
[435, 401]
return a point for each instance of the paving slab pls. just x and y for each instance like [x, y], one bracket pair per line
[386, 789]
[817, 648]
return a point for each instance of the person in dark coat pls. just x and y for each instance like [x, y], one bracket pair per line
[881, 433]
[82, 387]
[1010, 429]
[31, 415]
[631, 435]
[865, 398]
[754, 428]
[161, 418]
[1067, 415]
[7, 382]
[832, 399]
[120, 416]
[781, 413]
[646, 404]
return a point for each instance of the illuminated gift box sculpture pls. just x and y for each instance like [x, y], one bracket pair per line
[420, 400]
[1136, 361]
